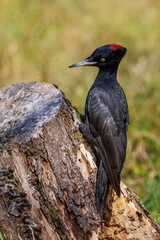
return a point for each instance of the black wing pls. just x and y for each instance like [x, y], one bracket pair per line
[110, 140]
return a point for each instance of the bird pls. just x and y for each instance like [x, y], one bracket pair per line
[106, 119]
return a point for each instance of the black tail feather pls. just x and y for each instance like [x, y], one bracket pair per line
[102, 188]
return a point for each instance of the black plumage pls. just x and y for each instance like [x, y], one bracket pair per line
[106, 119]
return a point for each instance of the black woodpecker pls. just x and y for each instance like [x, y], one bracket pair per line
[106, 119]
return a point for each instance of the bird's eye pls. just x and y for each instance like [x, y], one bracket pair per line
[103, 59]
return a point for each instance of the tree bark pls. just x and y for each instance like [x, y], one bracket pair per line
[48, 174]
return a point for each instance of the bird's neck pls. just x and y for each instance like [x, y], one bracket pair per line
[107, 75]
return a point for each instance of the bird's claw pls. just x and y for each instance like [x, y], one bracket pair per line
[76, 128]
[76, 121]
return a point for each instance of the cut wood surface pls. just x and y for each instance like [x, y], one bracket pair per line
[48, 174]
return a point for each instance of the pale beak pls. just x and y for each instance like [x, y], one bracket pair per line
[86, 62]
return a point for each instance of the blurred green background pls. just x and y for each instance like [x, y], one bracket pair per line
[39, 39]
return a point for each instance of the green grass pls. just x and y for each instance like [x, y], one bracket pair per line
[39, 39]
[1, 237]
[7, 232]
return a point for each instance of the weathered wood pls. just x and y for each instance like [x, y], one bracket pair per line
[54, 197]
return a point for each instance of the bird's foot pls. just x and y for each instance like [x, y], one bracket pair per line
[76, 121]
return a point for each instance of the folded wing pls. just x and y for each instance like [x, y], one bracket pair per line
[110, 140]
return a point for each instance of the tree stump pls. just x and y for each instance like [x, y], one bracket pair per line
[48, 174]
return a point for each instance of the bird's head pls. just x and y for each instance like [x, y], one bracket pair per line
[107, 56]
